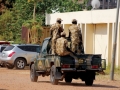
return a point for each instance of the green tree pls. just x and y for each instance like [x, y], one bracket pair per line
[12, 20]
[34, 10]
[5, 19]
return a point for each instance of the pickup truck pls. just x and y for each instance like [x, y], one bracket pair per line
[65, 67]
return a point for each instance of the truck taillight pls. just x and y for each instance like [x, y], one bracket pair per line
[11, 54]
[94, 66]
[65, 66]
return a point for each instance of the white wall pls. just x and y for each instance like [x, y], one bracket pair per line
[93, 16]
[100, 40]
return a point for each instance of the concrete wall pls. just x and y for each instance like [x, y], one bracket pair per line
[66, 26]
[97, 28]
[88, 39]
[109, 42]
[100, 39]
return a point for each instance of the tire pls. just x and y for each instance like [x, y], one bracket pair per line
[20, 63]
[89, 82]
[53, 75]
[33, 75]
[68, 79]
[10, 66]
[2, 64]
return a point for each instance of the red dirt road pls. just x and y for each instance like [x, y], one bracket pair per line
[20, 80]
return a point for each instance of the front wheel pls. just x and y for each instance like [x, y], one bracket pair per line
[33, 75]
[53, 76]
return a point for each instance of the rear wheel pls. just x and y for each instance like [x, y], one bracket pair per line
[20, 63]
[33, 75]
[89, 82]
[68, 79]
[53, 75]
[89, 78]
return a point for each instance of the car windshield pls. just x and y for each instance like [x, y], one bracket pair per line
[9, 48]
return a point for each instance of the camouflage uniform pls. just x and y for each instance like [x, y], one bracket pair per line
[55, 32]
[74, 34]
[61, 47]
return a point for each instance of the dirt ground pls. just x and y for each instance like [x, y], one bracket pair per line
[20, 80]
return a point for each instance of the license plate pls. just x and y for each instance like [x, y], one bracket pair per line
[80, 60]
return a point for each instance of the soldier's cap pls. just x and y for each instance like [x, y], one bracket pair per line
[74, 20]
[59, 19]
[63, 34]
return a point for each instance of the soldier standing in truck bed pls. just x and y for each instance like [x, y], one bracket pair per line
[55, 32]
[74, 35]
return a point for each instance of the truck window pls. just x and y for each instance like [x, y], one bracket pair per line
[44, 47]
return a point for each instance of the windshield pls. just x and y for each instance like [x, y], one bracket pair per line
[44, 47]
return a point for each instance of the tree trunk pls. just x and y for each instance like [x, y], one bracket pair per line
[34, 11]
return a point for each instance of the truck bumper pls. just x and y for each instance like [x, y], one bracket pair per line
[68, 69]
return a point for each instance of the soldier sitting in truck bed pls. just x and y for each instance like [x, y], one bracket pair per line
[62, 47]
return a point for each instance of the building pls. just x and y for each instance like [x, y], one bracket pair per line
[97, 30]
[105, 4]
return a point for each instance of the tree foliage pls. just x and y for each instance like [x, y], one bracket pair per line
[22, 12]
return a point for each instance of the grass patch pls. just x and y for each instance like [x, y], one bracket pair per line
[108, 70]
[106, 77]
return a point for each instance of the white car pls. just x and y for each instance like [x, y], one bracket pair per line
[2, 47]
[19, 55]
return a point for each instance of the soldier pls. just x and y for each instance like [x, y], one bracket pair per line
[62, 46]
[74, 35]
[55, 32]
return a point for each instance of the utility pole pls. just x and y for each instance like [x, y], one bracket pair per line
[103, 4]
[115, 42]
[108, 3]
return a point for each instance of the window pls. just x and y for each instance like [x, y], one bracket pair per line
[38, 48]
[108, 0]
[44, 46]
[2, 48]
[21, 47]
[30, 48]
[9, 48]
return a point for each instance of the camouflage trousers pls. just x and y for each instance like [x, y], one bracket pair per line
[75, 47]
[53, 46]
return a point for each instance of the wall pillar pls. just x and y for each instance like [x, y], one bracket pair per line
[89, 28]
[66, 26]
[83, 31]
[109, 42]
[118, 46]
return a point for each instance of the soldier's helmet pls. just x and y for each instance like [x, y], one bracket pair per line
[63, 34]
[59, 19]
[74, 20]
